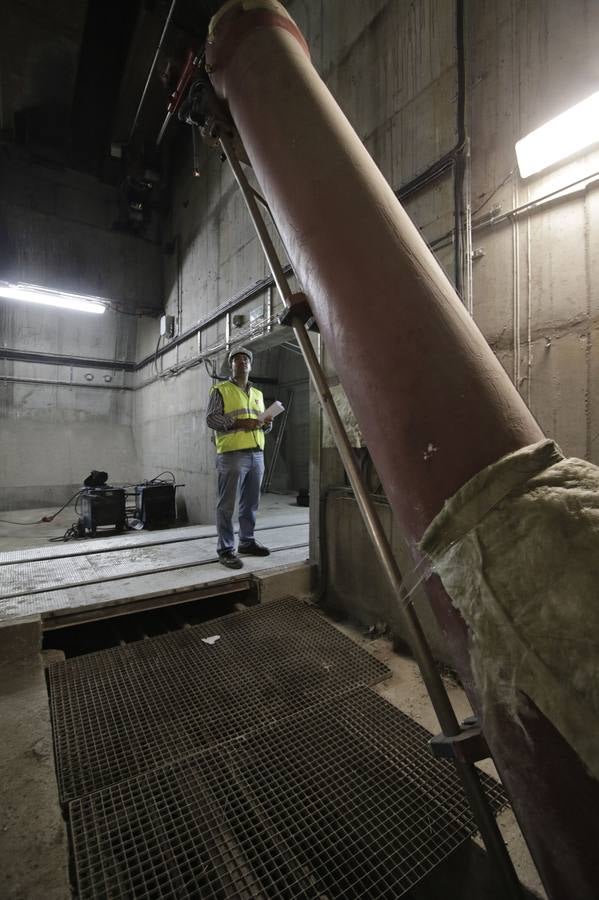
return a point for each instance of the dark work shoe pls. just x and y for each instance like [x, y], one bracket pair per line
[253, 548]
[230, 559]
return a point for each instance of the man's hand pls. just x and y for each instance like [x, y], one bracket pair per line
[248, 424]
[267, 420]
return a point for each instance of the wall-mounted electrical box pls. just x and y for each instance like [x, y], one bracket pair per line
[167, 326]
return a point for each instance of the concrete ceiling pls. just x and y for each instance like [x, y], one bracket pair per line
[72, 73]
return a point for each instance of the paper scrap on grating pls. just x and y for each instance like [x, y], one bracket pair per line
[211, 640]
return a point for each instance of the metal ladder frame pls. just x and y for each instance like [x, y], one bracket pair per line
[464, 745]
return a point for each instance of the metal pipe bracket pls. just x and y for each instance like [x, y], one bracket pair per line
[299, 308]
[469, 746]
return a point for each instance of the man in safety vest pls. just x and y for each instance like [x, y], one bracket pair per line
[233, 409]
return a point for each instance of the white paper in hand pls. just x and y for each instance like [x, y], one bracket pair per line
[273, 410]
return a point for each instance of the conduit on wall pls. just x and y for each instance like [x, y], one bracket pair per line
[433, 403]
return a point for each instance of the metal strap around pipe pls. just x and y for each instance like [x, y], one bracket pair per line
[444, 711]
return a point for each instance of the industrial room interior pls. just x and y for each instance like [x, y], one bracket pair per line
[393, 204]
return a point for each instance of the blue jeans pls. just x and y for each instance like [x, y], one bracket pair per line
[243, 470]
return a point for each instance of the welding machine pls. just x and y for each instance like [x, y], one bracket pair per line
[101, 507]
[155, 504]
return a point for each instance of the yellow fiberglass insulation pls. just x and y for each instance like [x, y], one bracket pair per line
[517, 550]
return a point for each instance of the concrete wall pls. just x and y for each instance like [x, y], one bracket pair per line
[291, 470]
[391, 66]
[55, 424]
[215, 257]
[38, 55]
[536, 289]
[535, 279]
[58, 420]
[56, 231]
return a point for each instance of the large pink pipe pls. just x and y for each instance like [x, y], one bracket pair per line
[432, 401]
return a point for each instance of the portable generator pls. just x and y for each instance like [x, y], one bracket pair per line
[101, 507]
[155, 504]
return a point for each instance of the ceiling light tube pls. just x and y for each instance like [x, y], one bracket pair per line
[568, 133]
[32, 293]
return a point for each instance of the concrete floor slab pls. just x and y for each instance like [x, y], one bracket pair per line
[110, 595]
[133, 540]
[33, 841]
[79, 578]
[28, 538]
[38, 576]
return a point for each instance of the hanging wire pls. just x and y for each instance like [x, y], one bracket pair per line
[159, 476]
[493, 193]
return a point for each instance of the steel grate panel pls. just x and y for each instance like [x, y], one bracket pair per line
[131, 539]
[129, 709]
[340, 801]
[42, 575]
[288, 618]
[110, 594]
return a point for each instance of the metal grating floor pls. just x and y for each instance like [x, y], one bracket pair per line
[131, 539]
[340, 801]
[40, 575]
[108, 594]
[130, 709]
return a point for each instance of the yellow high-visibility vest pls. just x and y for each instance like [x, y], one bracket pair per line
[240, 405]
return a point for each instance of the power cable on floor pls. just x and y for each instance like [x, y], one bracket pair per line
[43, 518]
[71, 532]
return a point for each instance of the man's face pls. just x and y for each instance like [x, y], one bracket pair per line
[240, 365]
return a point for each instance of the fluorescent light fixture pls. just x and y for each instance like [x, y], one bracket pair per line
[559, 138]
[32, 293]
